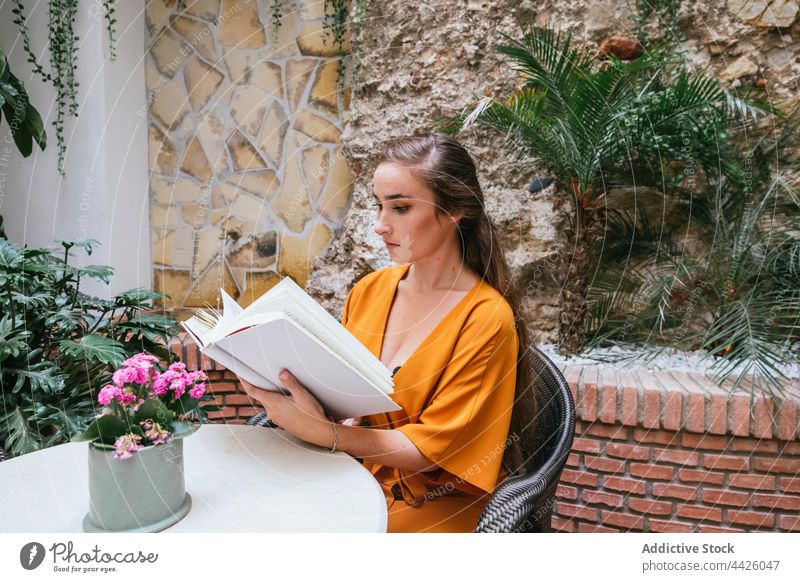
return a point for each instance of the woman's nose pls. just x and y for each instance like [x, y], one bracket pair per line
[380, 225]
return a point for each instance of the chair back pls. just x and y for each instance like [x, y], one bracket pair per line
[524, 503]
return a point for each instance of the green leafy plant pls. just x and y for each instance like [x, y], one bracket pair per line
[736, 295]
[23, 119]
[59, 345]
[63, 50]
[594, 124]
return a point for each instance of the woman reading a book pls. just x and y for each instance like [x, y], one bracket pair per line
[447, 320]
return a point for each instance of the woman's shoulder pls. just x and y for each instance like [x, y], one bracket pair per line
[491, 306]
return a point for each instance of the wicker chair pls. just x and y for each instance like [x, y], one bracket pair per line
[524, 503]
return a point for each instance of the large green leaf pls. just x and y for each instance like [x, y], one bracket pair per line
[94, 348]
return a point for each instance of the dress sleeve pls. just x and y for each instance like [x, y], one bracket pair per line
[348, 305]
[465, 426]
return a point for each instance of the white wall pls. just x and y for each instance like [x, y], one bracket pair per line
[104, 195]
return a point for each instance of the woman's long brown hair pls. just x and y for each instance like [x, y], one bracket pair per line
[447, 169]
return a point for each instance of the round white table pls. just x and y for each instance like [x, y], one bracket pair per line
[240, 478]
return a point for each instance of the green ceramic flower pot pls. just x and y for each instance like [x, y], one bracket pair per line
[145, 493]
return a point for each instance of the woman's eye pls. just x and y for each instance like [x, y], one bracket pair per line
[401, 209]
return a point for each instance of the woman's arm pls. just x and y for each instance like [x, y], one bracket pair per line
[303, 416]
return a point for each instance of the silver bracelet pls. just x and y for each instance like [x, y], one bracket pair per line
[333, 449]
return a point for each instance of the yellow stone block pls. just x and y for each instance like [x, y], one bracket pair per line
[197, 34]
[169, 103]
[262, 183]
[205, 9]
[256, 284]
[316, 163]
[164, 216]
[195, 163]
[208, 247]
[169, 192]
[297, 74]
[161, 151]
[258, 252]
[283, 41]
[242, 26]
[202, 82]
[292, 205]
[210, 133]
[206, 290]
[248, 108]
[324, 92]
[247, 207]
[267, 76]
[273, 133]
[169, 52]
[334, 199]
[156, 14]
[173, 282]
[243, 154]
[316, 127]
[314, 40]
[297, 253]
[174, 250]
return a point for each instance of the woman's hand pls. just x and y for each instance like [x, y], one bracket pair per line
[299, 413]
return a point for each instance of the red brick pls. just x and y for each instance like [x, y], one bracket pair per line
[651, 411]
[700, 513]
[650, 471]
[629, 399]
[600, 497]
[676, 491]
[624, 484]
[661, 437]
[724, 497]
[560, 524]
[623, 520]
[789, 522]
[678, 457]
[717, 414]
[776, 465]
[649, 506]
[624, 451]
[608, 431]
[704, 441]
[726, 462]
[753, 482]
[592, 528]
[587, 395]
[579, 511]
[788, 502]
[573, 460]
[790, 484]
[586, 445]
[603, 465]
[695, 476]
[753, 446]
[787, 421]
[566, 492]
[608, 404]
[224, 413]
[248, 411]
[238, 400]
[222, 387]
[580, 426]
[670, 526]
[740, 415]
[695, 413]
[672, 410]
[715, 529]
[579, 477]
[755, 518]
[763, 413]
[791, 449]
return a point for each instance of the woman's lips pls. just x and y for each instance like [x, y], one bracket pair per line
[388, 244]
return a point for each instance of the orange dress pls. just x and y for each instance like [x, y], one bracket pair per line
[456, 392]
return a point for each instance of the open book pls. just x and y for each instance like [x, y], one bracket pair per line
[286, 328]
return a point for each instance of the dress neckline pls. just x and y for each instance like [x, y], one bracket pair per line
[395, 283]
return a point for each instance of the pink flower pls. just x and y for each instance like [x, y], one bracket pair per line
[131, 375]
[126, 445]
[108, 393]
[154, 432]
[197, 390]
[142, 360]
[127, 395]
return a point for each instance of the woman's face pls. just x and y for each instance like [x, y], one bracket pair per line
[406, 215]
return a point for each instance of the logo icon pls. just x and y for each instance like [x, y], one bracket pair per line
[31, 555]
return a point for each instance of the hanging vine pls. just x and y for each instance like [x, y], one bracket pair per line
[63, 49]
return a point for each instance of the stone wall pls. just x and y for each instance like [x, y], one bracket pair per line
[247, 178]
[423, 60]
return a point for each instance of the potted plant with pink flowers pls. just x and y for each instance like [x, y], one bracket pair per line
[136, 478]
